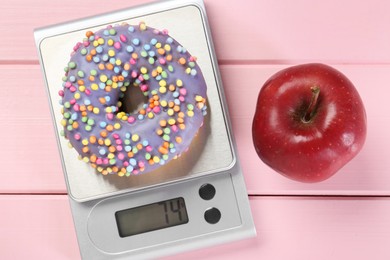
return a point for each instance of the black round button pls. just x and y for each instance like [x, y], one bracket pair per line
[212, 215]
[207, 191]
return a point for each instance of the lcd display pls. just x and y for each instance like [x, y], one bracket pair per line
[151, 217]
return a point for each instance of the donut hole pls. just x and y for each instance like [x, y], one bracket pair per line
[132, 100]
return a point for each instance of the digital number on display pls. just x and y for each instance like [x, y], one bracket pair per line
[151, 217]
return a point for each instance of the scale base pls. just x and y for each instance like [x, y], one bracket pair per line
[105, 243]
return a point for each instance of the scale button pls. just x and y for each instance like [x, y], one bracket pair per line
[207, 191]
[212, 215]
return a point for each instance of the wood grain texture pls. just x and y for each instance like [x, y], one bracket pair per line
[28, 138]
[37, 227]
[310, 228]
[262, 31]
[253, 40]
[29, 156]
[40, 227]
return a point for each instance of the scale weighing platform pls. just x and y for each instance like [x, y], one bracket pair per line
[195, 201]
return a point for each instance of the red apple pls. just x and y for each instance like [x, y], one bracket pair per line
[309, 122]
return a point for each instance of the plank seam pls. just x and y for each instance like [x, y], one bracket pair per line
[250, 195]
[32, 193]
[319, 195]
[264, 62]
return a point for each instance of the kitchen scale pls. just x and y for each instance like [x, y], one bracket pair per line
[195, 201]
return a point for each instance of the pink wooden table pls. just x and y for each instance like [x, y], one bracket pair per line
[345, 217]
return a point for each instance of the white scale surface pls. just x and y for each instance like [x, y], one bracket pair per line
[211, 159]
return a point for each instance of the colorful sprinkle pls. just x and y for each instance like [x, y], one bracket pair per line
[115, 59]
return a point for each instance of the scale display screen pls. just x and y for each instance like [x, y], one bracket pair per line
[151, 217]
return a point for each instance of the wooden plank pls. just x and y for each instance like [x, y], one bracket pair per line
[311, 228]
[287, 227]
[263, 31]
[29, 155]
[37, 227]
[30, 161]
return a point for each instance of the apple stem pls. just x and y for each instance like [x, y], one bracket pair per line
[313, 104]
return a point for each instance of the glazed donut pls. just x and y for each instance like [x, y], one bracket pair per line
[101, 69]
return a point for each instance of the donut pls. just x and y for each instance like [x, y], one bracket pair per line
[101, 70]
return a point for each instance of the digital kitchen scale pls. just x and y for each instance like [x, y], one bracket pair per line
[195, 201]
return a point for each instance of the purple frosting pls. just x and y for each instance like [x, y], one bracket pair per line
[99, 75]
